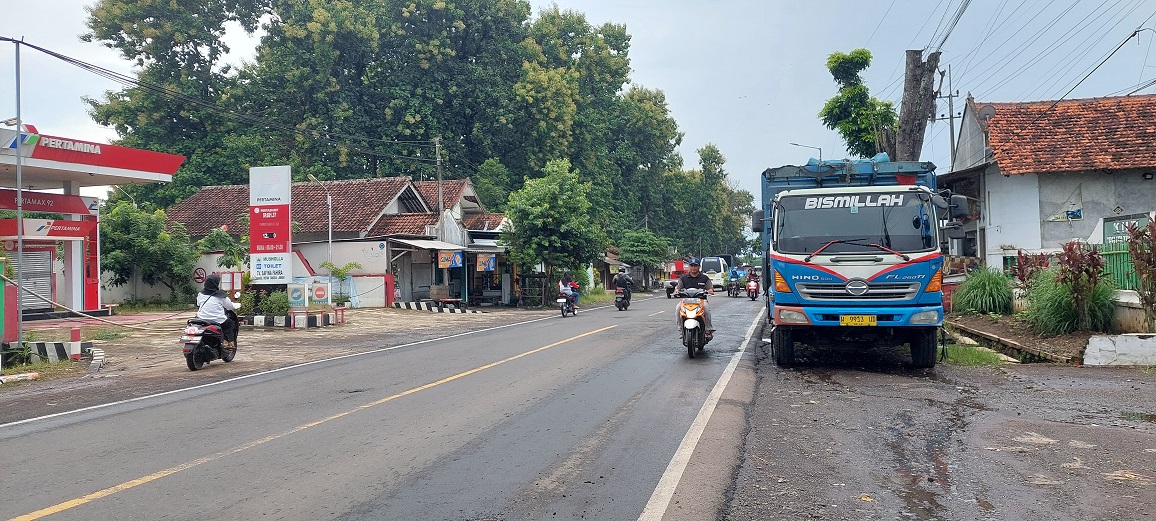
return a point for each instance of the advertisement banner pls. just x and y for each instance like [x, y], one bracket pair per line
[449, 259]
[49, 203]
[48, 229]
[486, 262]
[270, 218]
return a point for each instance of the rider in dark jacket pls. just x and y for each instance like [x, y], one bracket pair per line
[622, 280]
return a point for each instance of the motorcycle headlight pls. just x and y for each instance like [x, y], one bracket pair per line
[690, 324]
[691, 313]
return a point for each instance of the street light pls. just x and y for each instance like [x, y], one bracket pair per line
[820, 149]
[329, 202]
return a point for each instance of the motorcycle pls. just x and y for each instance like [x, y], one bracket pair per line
[566, 305]
[692, 319]
[204, 342]
[620, 299]
[753, 289]
[733, 288]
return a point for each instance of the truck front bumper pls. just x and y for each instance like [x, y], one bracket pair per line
[916, 316]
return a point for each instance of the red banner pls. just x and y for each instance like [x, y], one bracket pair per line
[46, 229]
[49, 203]
[269, 227]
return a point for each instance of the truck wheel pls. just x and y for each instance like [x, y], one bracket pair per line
[782, 347]
[923, 348]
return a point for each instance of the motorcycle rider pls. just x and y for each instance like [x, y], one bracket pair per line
[695, 278]
[568, 287]
[212, 303]
[734, 278]
[622, 280]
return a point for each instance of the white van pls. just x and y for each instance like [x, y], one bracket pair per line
[717, 269]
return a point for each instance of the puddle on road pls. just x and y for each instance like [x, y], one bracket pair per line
[1139, 416]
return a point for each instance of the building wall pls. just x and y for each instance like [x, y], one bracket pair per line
[971, 146]
[1010, 215]
[1096, 195]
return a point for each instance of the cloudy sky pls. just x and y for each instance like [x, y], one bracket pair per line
[746, 75]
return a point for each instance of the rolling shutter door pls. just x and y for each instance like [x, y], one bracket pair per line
[37, 277]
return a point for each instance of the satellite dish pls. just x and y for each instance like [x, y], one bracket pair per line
[986, 112]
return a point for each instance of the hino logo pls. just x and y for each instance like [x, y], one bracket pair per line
[805, 277]
[856, 287]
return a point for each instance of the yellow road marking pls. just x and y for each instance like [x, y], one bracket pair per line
[73, 503]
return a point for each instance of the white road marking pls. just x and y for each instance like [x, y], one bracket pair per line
[660, 499]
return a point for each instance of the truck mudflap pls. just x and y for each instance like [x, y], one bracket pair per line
[916, 316]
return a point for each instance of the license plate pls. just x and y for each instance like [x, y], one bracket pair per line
[857, 320]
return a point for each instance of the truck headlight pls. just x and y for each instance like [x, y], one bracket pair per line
[925, 317]
[790, 316]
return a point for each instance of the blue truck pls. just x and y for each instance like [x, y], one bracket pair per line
[852, 254]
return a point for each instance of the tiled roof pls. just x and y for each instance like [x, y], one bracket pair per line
[403, 224]
[483, 221]
[356, 203]
[1074, 135]
[452, 191]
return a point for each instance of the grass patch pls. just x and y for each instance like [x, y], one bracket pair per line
[984, 291]
[87, 334]
[46, 370]
[596, 297]
[972, 356]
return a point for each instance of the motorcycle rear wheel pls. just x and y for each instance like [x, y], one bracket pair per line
[227, 354]
[193, 361]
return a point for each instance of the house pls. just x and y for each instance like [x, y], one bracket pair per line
[1040, 174]
[391, 226]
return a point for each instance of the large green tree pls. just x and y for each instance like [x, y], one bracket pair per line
[549, 221]
[867, 124]
[135, 242]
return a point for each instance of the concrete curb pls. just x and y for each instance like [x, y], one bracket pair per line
[18, 377]
[57, 351]
[97, 359]
[428, 306]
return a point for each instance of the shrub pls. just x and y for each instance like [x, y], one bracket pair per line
[1082, 270]
[1052, 309]
[1027, 265]
[276, 304]
[983, 291]
[1142, 249]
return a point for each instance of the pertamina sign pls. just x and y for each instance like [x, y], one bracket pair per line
[270, 240]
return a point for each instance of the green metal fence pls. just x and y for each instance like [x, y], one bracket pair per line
[1118, 266]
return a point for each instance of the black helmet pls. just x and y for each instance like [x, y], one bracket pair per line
[621, 269]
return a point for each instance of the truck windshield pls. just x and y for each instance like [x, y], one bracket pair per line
[899, 221]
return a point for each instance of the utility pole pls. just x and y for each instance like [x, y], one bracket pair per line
[438, 153]
[918, 106]
[951, 95]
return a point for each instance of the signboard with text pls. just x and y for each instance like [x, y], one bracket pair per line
[449, 259]
[1116, 228]
[49, 202]
[270, 239]
[48, 229]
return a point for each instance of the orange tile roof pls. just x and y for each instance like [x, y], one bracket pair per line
[483, 221]
[1074, 135]
[403, 224]
[452, 191]
[356, 202]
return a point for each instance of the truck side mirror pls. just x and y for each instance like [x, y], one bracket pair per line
[958, 207]
[954, 230]
[757, 221]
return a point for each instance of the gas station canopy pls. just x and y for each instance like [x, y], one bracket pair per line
[52, 162]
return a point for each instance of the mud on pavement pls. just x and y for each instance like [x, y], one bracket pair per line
[148, 362]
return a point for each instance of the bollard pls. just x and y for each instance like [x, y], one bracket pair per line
[75, 336]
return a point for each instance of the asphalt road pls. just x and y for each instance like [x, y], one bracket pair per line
[603, 416]
[583, 417]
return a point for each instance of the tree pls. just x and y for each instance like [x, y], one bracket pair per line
[340, 273]
[867, 124]
[549, 221]
[136, 242]
[234, 253]
[1142, 249]
[643, 248]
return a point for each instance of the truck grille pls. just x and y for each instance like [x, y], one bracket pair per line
[875, 291]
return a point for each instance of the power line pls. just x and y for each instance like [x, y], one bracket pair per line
[880, 24]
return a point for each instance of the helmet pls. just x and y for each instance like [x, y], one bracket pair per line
[621, 269]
